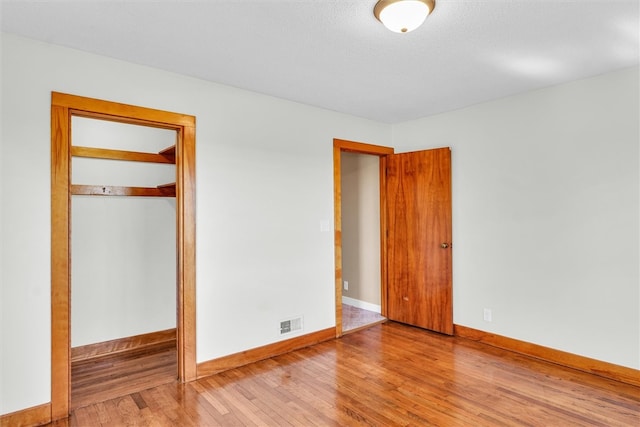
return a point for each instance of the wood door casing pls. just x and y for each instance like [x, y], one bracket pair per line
[63, 107]
[419, 269]
[339, 146]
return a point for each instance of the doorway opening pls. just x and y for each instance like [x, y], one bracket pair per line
[123, 270]
[65, 109]
[416, 284]
[359, 211]
[361, 282]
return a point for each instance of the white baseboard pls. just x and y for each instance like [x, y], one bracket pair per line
[361, 304]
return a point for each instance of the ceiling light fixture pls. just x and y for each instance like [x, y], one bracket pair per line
[402, 16]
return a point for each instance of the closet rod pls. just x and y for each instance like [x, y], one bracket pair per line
[167, 190]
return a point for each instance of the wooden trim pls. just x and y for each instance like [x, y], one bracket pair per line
[113, 111]
[361, 147]
[186, 235]
[120, 119]
[340, 145]
[569, 360]
[383, 236]
[132, 156]
[60, 265]
[34, 416]
[166, 190]
[121, 345]
[337, 234]
[63, 107]
[215, 366]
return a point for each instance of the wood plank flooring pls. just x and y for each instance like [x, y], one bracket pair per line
[386, 375]
[107, 377]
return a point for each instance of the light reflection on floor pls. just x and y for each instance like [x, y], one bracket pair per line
[355, 318]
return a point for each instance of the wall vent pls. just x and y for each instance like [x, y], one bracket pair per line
[290, 325]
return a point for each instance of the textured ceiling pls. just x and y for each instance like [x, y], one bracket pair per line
[334, 53]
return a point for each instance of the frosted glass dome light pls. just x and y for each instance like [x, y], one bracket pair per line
[402, 16]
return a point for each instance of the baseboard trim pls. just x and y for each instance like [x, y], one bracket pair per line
[361, 304]
[569, 360]
[121, 345]
[34, 416]
[214, 366]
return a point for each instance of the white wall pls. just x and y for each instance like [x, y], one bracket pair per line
[545, 214]
[123, 249]
[545, 189]
[361, 226]
[3, 313]
[264, 184]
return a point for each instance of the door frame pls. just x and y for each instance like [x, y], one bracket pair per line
[339, 146]
[63, 108]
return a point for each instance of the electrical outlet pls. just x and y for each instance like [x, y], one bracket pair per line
[487, 315]
[345, 285]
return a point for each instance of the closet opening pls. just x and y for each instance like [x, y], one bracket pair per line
[123, 248]
[123, 252]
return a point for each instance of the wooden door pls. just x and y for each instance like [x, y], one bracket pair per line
[418, 208]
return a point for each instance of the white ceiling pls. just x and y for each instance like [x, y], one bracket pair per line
[334, 53]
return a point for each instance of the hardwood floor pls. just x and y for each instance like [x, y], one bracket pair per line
[107, 377]
[387, 375]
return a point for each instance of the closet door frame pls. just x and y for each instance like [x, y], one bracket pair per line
[63, 108]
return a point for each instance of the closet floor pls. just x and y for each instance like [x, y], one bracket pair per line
[111, 376]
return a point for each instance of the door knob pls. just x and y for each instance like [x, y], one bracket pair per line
[444, 245]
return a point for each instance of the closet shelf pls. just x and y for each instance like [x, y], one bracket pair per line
[169, 153]
[166, 190]
[169, 189]
[165, 156]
